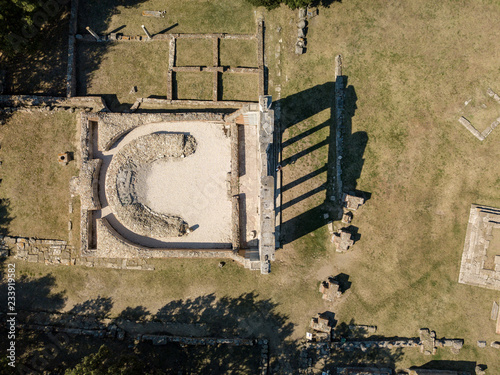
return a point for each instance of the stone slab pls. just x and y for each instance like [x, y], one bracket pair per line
[494, 311]
[482, 220]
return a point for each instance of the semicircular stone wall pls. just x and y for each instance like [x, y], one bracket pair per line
[121, 183]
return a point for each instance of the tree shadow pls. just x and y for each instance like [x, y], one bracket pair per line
[137, 313]
[5, 216]
[97, 14]
[41, 70]
[34, 294]
[99, 307]
[449, 366]
[242, 316]
[295, 109]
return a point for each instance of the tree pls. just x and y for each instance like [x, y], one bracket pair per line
[104, 363]
[20, 22]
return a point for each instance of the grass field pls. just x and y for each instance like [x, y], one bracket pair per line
[193, 85]
[237, 86]
[234, 53]
[194, 52]
[410, 68]
[33, 182]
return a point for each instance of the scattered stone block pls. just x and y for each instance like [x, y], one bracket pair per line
[63, 158]
[347, 217]
[154, 13]
[494, 311]
[330, 289]
[9, 240]
[495, 344]
[481, 344]
[343, 240]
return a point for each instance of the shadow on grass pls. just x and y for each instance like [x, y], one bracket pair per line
[468, 366]
[245, 316]
[295, 109]
[97, 14]
[5, 216]
[41, 70]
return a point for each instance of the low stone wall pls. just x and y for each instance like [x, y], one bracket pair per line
[59, 253]
[86, 184]
[267, 242]
[339, 125]
[30, 103]
[34, 250]
[112, 244]
[123, 330]
[112, 126]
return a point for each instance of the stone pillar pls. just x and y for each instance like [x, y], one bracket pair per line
[93, 33]
[146, 31]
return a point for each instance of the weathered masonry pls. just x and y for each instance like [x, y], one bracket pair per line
[481, 256]
[183, 184]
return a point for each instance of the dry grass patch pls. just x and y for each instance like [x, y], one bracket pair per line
[33, 182]
[194, 52]
[235, 53]
[193, 85]
[112, 70]
[237, 86]
[421, 167]
[217, 16]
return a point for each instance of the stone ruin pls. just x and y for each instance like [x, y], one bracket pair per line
[342, 240]
[363, 371]
[351, 201]
[330, 288]
[121, 218]
[321, 327]
[486, 132]
[429, 344]
[480, 264]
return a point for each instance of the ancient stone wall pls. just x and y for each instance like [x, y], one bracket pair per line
[267, 241]
[60, 253]
[339, 125]
[120, 183]
[112, 126]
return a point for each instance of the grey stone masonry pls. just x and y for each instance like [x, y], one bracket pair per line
[267, 241]
[60, 253]
[114, 125]
[339, 124]
[484, 223]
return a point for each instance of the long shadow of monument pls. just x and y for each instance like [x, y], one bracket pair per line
[295, 109]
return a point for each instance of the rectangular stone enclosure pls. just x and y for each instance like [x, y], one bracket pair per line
[480, 259]
[183, 184]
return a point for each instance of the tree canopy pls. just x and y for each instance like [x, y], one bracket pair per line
[21, 21]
